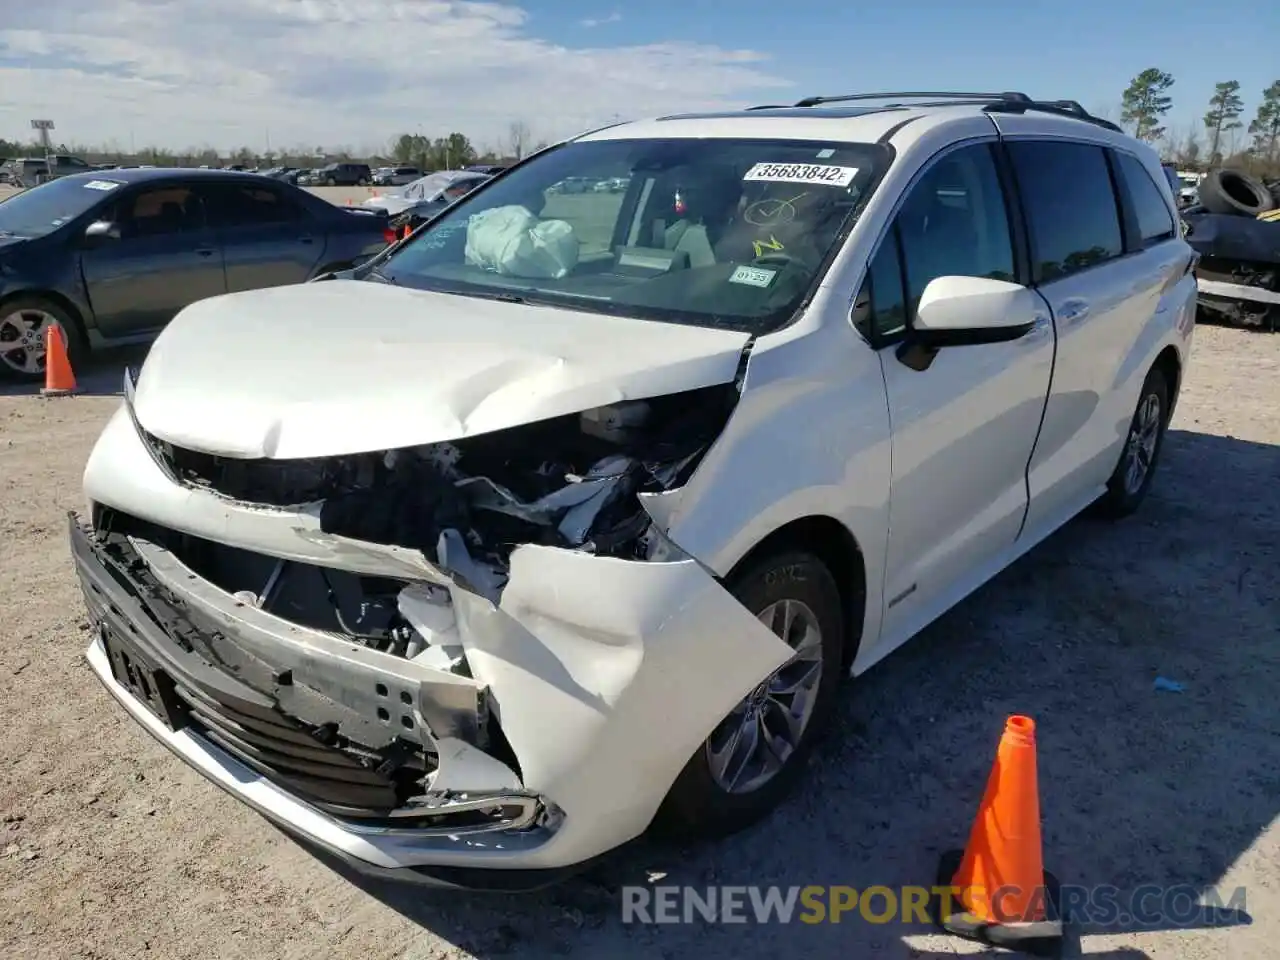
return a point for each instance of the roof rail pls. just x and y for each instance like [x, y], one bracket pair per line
[845, 98]
[1007, 102]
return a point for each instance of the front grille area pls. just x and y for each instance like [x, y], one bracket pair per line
[216, 693]
[288, 754]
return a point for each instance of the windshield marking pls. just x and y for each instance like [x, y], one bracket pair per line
[102, 184]
[820, 173]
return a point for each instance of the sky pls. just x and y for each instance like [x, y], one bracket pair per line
[273, 74]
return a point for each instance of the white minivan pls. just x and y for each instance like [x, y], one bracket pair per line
[567, 515]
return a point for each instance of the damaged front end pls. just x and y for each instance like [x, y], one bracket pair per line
[1238, 274]
[448, 655]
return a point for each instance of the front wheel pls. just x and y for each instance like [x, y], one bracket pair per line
[754, 757]
[1132, 477]
[24, 325]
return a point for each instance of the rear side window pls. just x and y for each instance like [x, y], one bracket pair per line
[1155, 222]
[1070, 205]
[242, 206]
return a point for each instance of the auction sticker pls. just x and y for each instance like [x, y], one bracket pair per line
[753, 276]
[102, 184]
[819, 173]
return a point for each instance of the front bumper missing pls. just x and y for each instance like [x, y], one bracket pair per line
[606, 675]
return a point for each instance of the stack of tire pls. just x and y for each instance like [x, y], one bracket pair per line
[1236, 193]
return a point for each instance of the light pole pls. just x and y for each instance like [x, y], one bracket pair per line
[43, 127]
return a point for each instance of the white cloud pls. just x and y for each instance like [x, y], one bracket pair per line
[614, 17]
[181, 73]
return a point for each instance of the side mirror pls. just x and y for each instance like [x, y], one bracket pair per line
[101, 230]
[969, 311]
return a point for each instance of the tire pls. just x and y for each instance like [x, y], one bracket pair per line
[330, 182]
[1234, 192]
[362, 182]
[698, 806]
[1124, 496]
[72, 336]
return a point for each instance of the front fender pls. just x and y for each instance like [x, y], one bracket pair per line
[606, 676]
[809, 437]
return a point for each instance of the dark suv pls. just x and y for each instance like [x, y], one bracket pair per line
[344, 175]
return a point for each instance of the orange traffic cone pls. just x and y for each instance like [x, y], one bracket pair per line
[1000, 893]
[58, 378]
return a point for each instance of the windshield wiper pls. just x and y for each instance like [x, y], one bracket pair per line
[500, 297]
[378, 275]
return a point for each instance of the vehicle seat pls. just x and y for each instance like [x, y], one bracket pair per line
[939, 238]
[172, 218]
[691, 238]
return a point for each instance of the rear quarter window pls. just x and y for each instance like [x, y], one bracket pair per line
[1155, 222]
[1070, 206]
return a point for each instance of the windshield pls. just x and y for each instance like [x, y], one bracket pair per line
[710, 232]
[43, 209]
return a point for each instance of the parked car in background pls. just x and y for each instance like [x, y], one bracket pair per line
[570, 516]
[491, 169]
[111, 257]
[396, 176]
[405, 221]
[444, 186]
[1235, 227]
[31, 171]
[342, 175]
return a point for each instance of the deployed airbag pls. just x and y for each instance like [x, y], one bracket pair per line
[513, 242]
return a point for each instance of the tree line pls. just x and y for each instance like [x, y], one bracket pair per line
[450, 152]
[1215, 140]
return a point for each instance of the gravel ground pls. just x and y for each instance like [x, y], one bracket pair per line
[111, 848]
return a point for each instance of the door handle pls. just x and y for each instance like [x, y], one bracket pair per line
[307, 239]
[206, 252]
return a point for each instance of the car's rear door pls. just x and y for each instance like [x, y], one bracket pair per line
[268, 236]
[1106, 287]
[165, 258]
[964, 419]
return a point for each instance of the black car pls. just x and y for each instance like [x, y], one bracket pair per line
[111, 257]
[344, 175]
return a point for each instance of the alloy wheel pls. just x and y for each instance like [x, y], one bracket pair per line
[22, 339]
[1140, 448]
[753, 743]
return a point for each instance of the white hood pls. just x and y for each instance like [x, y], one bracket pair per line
[344, 366]
[393, 203]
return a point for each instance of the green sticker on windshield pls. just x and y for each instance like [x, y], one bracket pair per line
[753, 276]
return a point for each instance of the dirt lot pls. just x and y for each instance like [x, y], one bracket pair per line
[112, 848]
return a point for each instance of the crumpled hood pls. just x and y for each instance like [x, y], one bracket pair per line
[345, 366]
[393, 203]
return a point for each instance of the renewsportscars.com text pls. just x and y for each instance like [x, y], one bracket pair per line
[1145, 906]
